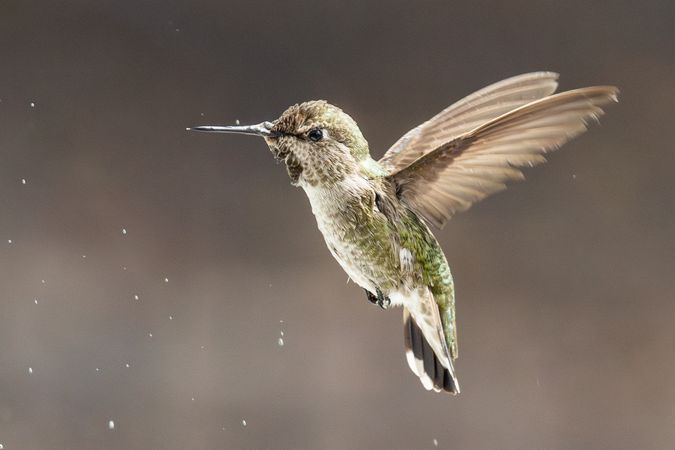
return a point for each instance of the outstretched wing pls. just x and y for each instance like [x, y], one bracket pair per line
[468, 113]
[426, 348]
[460, 172]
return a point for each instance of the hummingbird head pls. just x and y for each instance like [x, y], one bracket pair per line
[318, 142]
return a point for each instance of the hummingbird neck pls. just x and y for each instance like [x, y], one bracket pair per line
[327, 174]
[370, 168]
[338, 197]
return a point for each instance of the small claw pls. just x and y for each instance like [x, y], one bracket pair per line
[371, 298]
[379, 299]
[382, 301]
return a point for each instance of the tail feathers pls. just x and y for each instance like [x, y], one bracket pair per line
[423, 361]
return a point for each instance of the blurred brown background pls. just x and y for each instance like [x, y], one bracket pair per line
[565, 283]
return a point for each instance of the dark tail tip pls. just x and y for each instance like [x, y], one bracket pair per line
[424, 362]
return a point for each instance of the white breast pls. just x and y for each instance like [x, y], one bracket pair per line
[328, 205]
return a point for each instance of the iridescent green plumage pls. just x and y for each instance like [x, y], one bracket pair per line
[433, 267]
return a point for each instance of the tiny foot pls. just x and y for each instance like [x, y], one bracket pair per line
[371, 298]
[379, 299]
[382, 301]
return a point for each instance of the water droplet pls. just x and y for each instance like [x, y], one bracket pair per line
[98, 370]
[127, 365]
[35, 300]
[193, 399]
[42, 281]
[124, 267]
[124, 231]
[170, 317]
[166, 280]
[136, 297]
[149, 334]
[280, 342]
[111, 424]
[435, 442]
[9, 241]
[237, 122]
[243, 422]
[2, 447]
[30, 370]
[281, 332]
[32, 104]
[23, 181]
[84, 256]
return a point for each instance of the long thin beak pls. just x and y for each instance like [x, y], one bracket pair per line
[263, 129]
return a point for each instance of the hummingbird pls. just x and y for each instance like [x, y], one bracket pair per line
[375, 216]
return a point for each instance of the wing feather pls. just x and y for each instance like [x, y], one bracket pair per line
[458, 173]
[467, 114]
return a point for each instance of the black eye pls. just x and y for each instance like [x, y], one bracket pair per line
[315, 134]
